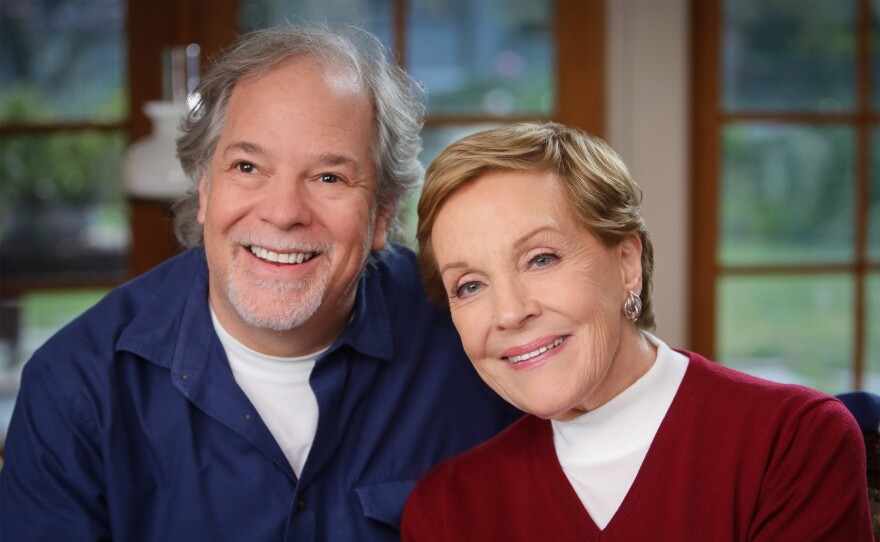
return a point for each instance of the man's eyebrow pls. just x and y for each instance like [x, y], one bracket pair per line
[332, 159]
[327, 159]
[246, 147]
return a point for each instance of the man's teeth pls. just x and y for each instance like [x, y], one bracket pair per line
[293, 257]
[517, 359]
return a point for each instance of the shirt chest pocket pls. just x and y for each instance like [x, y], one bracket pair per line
[383, 501]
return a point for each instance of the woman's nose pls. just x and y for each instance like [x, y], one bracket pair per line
[514, 303]
[285, 203]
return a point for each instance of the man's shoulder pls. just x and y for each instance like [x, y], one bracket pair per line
[396, 264]
[395, 278]
[97, 329]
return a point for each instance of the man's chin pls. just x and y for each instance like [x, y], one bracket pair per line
[275, 310]
[286, 321]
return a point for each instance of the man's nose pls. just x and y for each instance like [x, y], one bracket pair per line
[285, 203]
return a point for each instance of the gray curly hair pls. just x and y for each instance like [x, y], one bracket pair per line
[398, 110]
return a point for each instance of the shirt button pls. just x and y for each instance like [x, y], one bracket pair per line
[300, 505]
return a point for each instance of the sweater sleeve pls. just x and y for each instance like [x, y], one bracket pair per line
[815, 488]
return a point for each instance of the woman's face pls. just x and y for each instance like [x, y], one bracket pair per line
[537, 300]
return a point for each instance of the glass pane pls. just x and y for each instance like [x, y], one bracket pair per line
[63, 60]
[437, 138]
[788, 329]
[875, 52]
[789, 55]
[27, 323]
[871, 377]
[786, 194]
[62, 210]
[434, 140]
[372, 15]
[483, 57]
[874, 208]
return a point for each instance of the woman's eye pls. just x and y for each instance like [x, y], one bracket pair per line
[245, 167]
[328, 178]
[543, 260]
[468, 288]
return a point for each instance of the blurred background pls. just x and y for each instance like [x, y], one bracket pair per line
[753, 127]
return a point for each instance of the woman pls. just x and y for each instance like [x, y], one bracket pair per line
[533, 236]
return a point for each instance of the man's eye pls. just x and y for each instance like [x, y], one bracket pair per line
[245, 167]
[328, 178]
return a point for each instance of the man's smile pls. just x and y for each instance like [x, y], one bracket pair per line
[281, 257]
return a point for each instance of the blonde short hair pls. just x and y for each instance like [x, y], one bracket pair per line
[601, 194]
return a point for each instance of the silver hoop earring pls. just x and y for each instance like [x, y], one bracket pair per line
[632, 309]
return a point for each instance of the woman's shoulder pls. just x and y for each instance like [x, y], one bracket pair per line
[724, 389]
[705, 372]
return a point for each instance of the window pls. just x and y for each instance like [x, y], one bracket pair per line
[63, 113]
[63, 131]
[786, 204]
[484, 62]
[69, 107]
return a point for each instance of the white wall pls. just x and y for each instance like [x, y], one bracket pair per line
[648, 124]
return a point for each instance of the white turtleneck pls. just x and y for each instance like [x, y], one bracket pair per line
[279, 389]
[602, 450]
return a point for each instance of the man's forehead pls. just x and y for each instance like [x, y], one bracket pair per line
[341, 78]
[340, 75]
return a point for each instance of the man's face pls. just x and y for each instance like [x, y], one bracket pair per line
[288, 206]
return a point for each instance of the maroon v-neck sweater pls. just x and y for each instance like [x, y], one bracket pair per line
[736, 458]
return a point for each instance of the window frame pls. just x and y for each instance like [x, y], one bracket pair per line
[708, 120]
[581, 75]
[153, 26]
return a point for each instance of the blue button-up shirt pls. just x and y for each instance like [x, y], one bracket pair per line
[129, 424]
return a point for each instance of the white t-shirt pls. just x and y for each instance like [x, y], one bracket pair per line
[279, 389]
[601, 451]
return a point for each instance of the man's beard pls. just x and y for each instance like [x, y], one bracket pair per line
[290, 311]
[287, 311]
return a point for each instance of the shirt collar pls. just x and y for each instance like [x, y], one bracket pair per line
[155, 332]
[369, 330]
[178, 297]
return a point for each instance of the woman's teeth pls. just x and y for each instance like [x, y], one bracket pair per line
[293, 257]
[554, 344]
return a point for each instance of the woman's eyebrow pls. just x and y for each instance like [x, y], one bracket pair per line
[533, 233]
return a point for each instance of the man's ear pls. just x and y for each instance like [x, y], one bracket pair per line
[203, 199]
[383, 224]
[631, 262]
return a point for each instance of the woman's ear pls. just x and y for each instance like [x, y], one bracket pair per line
[631, 262]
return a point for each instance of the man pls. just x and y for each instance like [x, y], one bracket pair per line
[287, 381]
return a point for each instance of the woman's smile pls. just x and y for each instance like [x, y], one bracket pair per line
[537, 299]
[533, 350]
